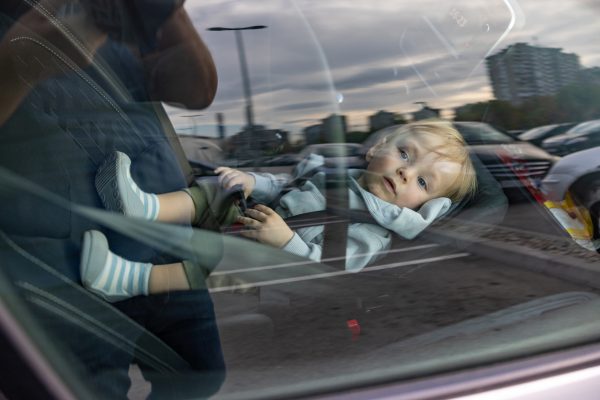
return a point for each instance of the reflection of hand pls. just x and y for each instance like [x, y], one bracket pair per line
[43, 43]
[266, 226]
[229, 177]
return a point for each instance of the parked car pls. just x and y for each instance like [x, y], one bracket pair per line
[510, 161]
[582, 136]
[577, 176]
[538, 134]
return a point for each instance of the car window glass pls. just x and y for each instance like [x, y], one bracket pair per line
[166, 231]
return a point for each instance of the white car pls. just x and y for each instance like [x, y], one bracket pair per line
[577, 175]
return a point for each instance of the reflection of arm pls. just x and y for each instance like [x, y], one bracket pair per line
[182, 69]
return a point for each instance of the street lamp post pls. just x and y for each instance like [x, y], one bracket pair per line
[243, 67]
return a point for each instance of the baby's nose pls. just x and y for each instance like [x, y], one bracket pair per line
[404, 173]
[401, 174]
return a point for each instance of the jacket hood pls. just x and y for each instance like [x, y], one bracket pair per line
[403, 221]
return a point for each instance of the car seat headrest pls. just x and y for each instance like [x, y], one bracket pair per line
[489, 203]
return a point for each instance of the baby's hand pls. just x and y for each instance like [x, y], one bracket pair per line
[229, 177]
[266, 226]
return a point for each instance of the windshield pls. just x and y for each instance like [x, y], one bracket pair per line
[166, 230]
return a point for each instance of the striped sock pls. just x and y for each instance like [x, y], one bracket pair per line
[149, 201]
[108, 275]
[119, 192]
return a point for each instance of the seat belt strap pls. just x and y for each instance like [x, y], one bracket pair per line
[335, 235]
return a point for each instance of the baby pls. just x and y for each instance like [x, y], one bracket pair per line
[413, 176]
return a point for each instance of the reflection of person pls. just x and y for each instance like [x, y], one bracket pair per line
[412, 177]
[26, 39]
[73, 93]
[33, 36]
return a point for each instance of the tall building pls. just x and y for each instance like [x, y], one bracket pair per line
[381, 119]
[521, 71]
[313, 134]
[334, 128]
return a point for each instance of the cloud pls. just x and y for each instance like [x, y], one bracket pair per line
[303, 106]
[313, 51]
[302, 121]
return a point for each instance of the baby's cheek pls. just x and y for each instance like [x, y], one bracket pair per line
[413, 199]
[382, 157]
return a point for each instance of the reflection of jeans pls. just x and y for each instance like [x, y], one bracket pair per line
[214, 207]
[185, 321]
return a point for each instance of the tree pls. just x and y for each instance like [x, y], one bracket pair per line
[577, 102]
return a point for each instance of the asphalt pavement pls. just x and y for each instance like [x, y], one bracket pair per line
[298, 325]
[529, 238]
[281, 332]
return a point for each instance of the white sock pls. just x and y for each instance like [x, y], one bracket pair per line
[149, 201]
[108, 275]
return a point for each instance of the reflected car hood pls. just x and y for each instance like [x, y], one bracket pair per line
[558, 139]
[518, 150]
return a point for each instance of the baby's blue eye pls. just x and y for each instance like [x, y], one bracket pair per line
[422, 183]
[403, 154]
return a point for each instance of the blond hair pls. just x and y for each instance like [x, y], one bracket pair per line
[453, 148]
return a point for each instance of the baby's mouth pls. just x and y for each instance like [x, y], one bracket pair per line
[389, 184]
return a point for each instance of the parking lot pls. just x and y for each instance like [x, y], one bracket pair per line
[285, 324]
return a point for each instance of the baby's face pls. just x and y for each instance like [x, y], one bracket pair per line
[404, 172]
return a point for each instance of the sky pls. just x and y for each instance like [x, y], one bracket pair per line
[355, 57]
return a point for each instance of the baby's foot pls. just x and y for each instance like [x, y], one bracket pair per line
[120, 193]
[109, 276]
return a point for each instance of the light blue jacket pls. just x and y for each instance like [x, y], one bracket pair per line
[366, 242]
